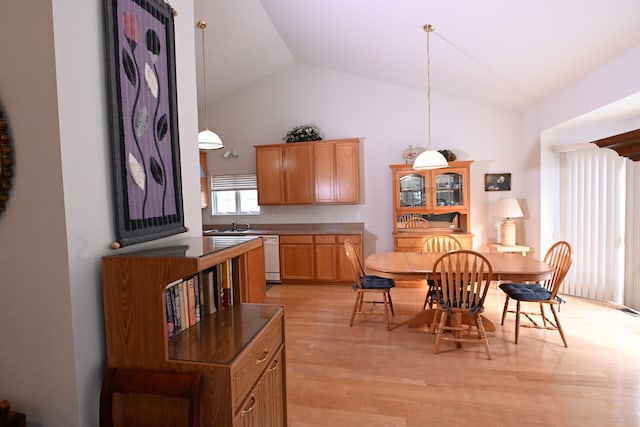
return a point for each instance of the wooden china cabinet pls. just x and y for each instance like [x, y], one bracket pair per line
[441, 196]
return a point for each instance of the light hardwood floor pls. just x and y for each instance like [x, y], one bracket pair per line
[365, 376]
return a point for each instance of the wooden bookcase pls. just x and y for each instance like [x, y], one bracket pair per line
[239, 350]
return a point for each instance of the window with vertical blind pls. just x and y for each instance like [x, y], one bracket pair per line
[234, 195]
[599, 211]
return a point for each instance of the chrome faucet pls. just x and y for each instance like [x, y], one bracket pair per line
[234, 226]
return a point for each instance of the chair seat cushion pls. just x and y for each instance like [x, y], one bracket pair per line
[525, 291]
[376, 282]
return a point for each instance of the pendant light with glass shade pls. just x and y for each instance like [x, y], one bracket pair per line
[430, 158]
[207, 140]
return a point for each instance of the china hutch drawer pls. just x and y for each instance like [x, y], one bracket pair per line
[413, 243]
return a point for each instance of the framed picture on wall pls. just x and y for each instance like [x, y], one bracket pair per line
[144, 120]
[497, 182]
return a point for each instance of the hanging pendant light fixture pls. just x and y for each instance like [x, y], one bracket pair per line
[430, 158]
[207, 140]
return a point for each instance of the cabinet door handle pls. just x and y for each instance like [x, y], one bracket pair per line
[264, 357]
[252, 404]
[273, 366]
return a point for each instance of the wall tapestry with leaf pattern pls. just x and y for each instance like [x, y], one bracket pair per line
[145, 146]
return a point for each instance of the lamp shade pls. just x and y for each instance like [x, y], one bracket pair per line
[509, 208]
[208, 140]
[430, 159]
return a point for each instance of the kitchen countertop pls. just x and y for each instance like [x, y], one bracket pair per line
[283, 229]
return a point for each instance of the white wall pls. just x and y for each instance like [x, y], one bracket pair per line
[59, 218]
[552, 122]
[388, 117]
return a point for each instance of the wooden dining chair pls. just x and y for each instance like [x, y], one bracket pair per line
[465, 276]
[560, 258]
[368, 285]
[437, 243]
[134, 381]
[416, 222]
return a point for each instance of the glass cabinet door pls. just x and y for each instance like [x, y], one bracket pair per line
[412, 191]
[449, 189]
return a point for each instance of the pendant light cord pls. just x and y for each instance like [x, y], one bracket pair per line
[203, 25]
[428, 29]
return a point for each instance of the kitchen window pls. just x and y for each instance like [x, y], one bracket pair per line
[234, 195]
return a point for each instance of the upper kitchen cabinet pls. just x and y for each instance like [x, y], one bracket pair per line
[285, 174]
[319, 172]
[204, 175]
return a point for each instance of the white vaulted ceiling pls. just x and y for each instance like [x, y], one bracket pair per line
[505, 53]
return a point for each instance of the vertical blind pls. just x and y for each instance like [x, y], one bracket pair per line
[593, 218]
[632, 238]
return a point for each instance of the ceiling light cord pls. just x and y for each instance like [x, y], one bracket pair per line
[429, 158]
[428, 29]
[203, 25]
[207, 140]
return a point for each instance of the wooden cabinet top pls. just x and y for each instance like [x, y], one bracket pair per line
[454, 164]
[219, 338]
[311, 142]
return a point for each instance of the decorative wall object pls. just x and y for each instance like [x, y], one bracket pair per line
[6, 164]
[144, 120]
[497, 182]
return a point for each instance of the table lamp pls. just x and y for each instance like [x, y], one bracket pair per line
[508, 209]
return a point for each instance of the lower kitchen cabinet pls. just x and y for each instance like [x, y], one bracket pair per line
[316, 258]
[296, 257]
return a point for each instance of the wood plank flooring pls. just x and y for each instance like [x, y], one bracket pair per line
[365, 376]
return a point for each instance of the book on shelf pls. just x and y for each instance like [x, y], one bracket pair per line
[191, 300]
[196, 292]
[169, 310]
[188, 300]
[226, 284]
[208, 301]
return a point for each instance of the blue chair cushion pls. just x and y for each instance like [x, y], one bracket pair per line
[376, 282]
[525, 291]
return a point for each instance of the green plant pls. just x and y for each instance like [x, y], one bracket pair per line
[304, 132]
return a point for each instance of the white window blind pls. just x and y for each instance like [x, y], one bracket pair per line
[234, 182]
[592, 217]
[632, 238]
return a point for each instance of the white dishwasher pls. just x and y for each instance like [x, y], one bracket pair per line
[272, 258]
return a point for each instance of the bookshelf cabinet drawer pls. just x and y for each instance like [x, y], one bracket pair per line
[254, 359]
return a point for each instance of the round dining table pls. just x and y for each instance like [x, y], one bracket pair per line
[412, 266]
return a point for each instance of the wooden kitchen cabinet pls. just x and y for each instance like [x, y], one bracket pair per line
[431, 194]
[326, 252]
[316, 258]
[296, 257]
[337, 171]
[285, 174]
[240, 350]
[204, 177]
[319, 172]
